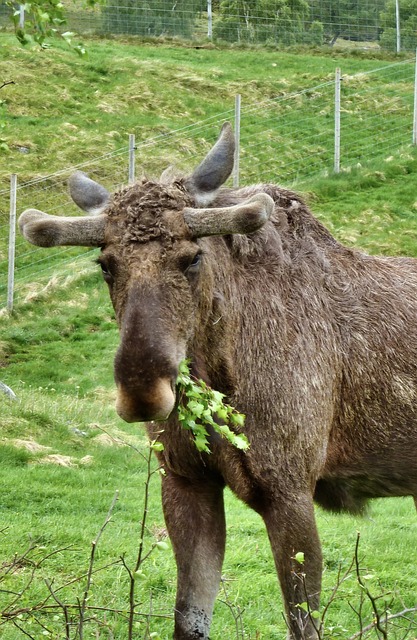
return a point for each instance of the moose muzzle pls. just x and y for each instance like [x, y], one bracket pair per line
[138, 405]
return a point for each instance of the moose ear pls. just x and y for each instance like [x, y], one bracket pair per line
[87, 194]
[214, 169]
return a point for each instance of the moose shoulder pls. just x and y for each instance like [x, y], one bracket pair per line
[315, 342]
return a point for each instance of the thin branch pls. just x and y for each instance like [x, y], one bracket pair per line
[83, 604]
[4, 84]
[64, 608]
[371, 598]
[393, 616]
[139, 558]
[340, 580]
[22, 630]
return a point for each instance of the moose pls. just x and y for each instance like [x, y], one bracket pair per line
[315, 342]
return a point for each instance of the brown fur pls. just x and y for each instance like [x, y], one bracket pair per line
[316, 343]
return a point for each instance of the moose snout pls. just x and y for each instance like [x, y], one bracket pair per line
[138, 405]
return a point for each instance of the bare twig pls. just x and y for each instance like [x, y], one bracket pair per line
[83, 604]
[22, 630]
[340, 580]
[64, 608]
[236, 612]
[388, 618]
[4, 84]
[139, 558]
[377, 617]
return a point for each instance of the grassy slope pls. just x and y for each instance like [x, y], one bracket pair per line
[66, 110]
[56, 350]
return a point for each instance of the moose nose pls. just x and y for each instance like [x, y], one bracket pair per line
[133, 405]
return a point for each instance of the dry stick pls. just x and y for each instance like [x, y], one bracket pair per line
[393, 616]
[340, 580]
[372, 599]
[64, 608]
[236, 612]
[83, 604]
[309, 609]
[6, 83]
[139, 558]
[22, 630]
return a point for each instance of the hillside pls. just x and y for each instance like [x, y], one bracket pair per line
[63, 450]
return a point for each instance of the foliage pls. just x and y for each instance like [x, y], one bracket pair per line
[202, 409]
[43, 19]
[348, 19]
[408, 25]
[162, 18]
[271, 21]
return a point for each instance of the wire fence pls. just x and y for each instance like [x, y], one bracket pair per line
[387, 24]
[288, 139]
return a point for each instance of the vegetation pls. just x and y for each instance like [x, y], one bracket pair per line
[281, 22]
[64, 453]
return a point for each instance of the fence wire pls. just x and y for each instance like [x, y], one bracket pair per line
[285, 140]
[364, 23]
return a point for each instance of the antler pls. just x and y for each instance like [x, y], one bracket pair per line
[48, 231]
[247, 217]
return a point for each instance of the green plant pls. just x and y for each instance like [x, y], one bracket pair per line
[199, 408]
[43, 19]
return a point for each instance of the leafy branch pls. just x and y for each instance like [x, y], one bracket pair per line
[201, 408]
[43, 20]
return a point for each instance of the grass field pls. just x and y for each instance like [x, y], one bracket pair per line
[56, 353]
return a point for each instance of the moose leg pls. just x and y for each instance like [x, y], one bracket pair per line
[194, 514]
[292, 530]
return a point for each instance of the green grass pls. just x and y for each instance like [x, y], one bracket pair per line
[63, 110]
[57, 348]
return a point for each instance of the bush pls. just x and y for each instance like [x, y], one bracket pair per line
[136, 17]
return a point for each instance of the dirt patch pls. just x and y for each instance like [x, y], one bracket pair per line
[30, 445]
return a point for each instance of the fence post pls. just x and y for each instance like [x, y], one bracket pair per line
[209, 20]
[21, 16]
[337, 122]
[132, 147]
[397, 23]
[12, 241]
[237, 142]
[415, 105]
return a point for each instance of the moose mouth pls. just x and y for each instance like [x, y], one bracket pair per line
[156, 403]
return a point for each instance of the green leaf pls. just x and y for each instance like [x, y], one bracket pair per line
[162, 545]
[241, 442]
[299, 557]
[156, 446]
[238, 419]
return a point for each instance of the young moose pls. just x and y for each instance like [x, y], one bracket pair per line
[315, 342]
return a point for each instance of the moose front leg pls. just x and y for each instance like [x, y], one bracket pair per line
[194, 514]
[292, 530]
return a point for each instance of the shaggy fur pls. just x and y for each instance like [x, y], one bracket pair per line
[314, 342]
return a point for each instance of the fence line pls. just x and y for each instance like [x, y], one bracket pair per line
[371, 23]
[286, 139]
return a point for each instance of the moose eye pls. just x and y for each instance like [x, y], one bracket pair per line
[105, 270]
[193, 265]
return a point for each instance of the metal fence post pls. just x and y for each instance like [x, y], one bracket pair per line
[397, 23]
[21, 16]
[237, 142]
[132, 148]
[209, 20]
[337, 122]
[415, 104]
[12, 241]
